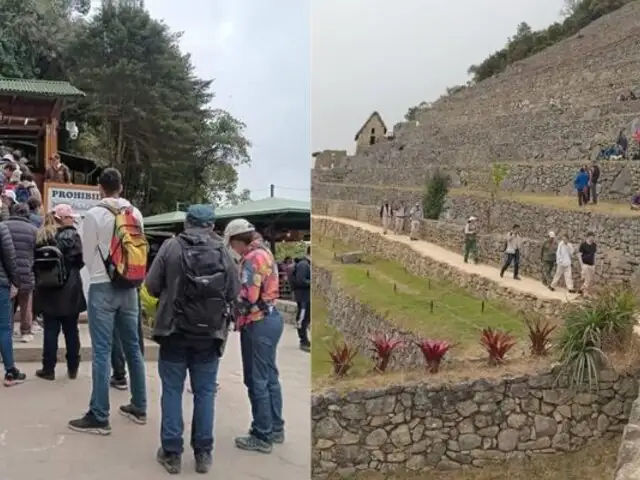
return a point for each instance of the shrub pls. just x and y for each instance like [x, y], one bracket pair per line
[540, 336]
[435, 194]
[383, 347]
[606, 319]
[433, 352]
[342, 355]
[497, 344]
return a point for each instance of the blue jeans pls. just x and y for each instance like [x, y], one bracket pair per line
[202, 365]
[259, 344]
[108, 309]
[6, 329]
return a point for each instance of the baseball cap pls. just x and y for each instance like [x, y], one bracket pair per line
[11, 195]
[238, 227]
[63, 210]
[201, 215]
[552, 234]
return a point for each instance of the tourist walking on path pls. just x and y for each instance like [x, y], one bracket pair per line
[196, 283]
[512, 252]
[471, 240]
[564, 255]
[548, 258]
[9, 285]
[399, 214]
[587, 251]
[594, 185]
[301, 277]
[59, 294]
[23, 233]
[385, 217]
[417, 217]
[115, 254]
[261, 327]
[581, 183]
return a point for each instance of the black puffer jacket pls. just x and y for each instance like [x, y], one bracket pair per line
[23, 233]
[8, 264]
[68, 300]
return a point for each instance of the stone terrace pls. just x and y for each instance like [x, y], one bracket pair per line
[510, 117]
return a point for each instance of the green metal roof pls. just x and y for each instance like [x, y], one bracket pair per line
[39, 88]
[266, 206]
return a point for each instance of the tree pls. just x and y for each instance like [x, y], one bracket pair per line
[435, 195]
[236, 198]
[148, 114]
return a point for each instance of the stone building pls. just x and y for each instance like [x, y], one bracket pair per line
[373, 131]
[328, 159]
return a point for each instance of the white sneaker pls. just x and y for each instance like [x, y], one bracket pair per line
[26, 338]
[35, 328]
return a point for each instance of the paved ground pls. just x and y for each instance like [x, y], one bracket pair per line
[427, 249]
[35, 443]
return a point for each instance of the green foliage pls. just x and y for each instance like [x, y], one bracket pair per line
[592, 326]
[525, 43]
[499, 172]
[435, 194]
[146, 111]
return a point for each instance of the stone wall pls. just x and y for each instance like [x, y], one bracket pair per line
[420, 427]
[387, 248]
[618, 181]
[611, 265]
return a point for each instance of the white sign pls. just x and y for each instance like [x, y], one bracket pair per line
[81, 198]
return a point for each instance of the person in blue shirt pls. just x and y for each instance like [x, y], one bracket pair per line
[581, 183]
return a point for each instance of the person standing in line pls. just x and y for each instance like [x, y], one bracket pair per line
[512, 252]
[564, 255]
[385, 216]
[196, 283]
[399, 215]
[587, 251]
[9, 285]
[581, 183]
[548, 258]
[302, 290]
[59, 294]
[593, 186]
[261, 326]
[118, 360]
[115, 254]
[471, 240]
[23, 233]
[417, 217]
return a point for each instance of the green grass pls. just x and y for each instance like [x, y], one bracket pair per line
[457, 316]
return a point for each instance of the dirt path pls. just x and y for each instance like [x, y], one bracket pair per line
[426, 249]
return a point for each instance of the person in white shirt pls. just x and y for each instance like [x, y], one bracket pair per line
[564, 255]
[398, 218]
[513, 243]
[416, 221]
[110, 307]
[471, 240]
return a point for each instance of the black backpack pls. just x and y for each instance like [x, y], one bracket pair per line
[202, 307]
[49, 267]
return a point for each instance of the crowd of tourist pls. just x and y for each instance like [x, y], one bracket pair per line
[586, 183]
[205, 285]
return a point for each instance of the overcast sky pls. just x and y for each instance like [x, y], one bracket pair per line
[258, 53]
[388, 56]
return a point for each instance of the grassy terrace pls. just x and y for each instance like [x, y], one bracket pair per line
[559, 202]
[597, 461]
[456, 317]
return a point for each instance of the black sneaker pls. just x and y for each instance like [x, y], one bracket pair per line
[305, 347]
[134, 414]
[45, 375]
[516, 278]
[253, 444]
[277, 437]
[72, 374]
[204, 460]
[552, 289]
[172, 462]
[14, 377]
[90, 424]
[119, 383]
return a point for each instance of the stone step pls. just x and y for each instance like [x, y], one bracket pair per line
[32, 351]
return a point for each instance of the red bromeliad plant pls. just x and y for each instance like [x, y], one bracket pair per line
[497, 343]
[433, 351]
[540, 336]
[342, 355]
[383, 346]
